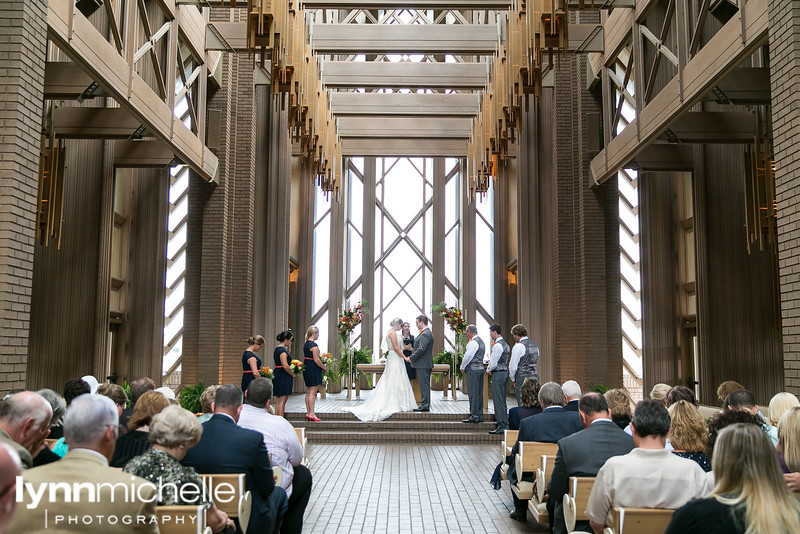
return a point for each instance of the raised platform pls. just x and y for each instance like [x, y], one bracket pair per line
[442, 425]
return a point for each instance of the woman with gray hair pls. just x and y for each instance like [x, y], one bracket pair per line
[174, 431]
[45, 455]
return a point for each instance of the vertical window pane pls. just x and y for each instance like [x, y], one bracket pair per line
[484, 265]
[322, 257]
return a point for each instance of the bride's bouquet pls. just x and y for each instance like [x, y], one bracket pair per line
[297, 366]
[266, 372]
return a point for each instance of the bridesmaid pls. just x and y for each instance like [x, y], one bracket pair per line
[312, 375]
[284, 377]
[251, 364]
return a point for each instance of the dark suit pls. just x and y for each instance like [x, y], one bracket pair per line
[572, 406]
[549, 426]
[582, 455]
[422, 360]
[226, 448]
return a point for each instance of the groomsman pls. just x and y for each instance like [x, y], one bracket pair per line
[472, 365]
[524, 358]
[498, 369]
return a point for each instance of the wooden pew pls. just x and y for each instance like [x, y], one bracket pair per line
[182, 519]
[528, 460]
[239, 503]
[640, 521]
[538, 508]
[576, 499]
[509, 439]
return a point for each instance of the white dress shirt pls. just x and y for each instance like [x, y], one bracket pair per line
[516, 353]
[472, 349]
[280, 439]
[494, 356]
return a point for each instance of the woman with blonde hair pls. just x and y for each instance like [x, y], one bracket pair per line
[749, 495]
[620, 405]
[659, 392]
[779, 405]
[312, 374]
[251, 364]
[173, 432]
[687, 433]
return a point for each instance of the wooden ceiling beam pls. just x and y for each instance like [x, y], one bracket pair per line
[422, 147]
[713, 127]
[404, 127]
[400, 104]
[142, 154]
[94, 123]
[369, 75]
[454, 39]
[461, 5]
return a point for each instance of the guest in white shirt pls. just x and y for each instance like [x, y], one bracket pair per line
[472, 366]
[283, 446]
[647, 477]
[498, 369]
[524, 358]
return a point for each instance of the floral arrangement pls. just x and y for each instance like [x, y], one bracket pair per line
[360, 356]
[327, 360]
[297, 366]
[349, 318]
[446, 357]
[453, 316]
[266, 372]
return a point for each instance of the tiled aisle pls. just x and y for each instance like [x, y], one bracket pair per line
[404, 489]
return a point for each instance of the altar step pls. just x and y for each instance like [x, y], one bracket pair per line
[341, 428]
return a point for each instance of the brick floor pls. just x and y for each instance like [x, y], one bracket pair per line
[405, 489]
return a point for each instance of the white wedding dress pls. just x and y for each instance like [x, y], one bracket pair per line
[392, 394]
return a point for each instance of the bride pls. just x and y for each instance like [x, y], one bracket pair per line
[393, 392]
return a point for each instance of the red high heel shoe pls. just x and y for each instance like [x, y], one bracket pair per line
[309, 418]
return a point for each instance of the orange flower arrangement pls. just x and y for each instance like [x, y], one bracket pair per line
[266, 372]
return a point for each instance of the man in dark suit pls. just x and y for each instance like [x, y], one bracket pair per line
[226, 448]
[549, 426]
[422, 360]
[583, 454]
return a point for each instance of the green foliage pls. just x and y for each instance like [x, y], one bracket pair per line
[127, 388]
[446, 357]
[360, 356]
[189, 397]
[598, 388]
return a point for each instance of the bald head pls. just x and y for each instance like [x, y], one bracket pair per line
[26, 417]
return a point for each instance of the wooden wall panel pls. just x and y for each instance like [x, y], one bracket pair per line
[63, 311]
[660, 321]
[739, 318]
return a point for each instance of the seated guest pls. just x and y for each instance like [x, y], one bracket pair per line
[25, 423]
[679, 393]
[45, 455]
[281, 441]
[137, 389]
[724, 419]
[749, 495]
[206, 400]
[173, 432]
[549, 426]
[122, 503]
[117, 394]
[647, 477]
[659, 393]
[688, 432]
[572, 395]
[582, 454]
[10, 469]
[529, 399]
[789, 447]
[72, 389]
[726, 388]
[779, 405]
[135, 441]
[227, 448]
[619, 404]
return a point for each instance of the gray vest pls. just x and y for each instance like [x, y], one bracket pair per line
[527, 364]
[477, 361]
[502, 363]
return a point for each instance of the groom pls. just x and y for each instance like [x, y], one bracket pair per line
[422, 360]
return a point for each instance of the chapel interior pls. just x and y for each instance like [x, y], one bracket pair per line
[620, 176]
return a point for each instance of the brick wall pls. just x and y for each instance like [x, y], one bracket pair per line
[784, 48]
[23, 30]
[219, 266]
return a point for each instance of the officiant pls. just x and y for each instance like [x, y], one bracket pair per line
[472, 366]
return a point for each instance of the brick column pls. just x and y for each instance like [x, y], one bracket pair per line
[23, 30]
[784, 48]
